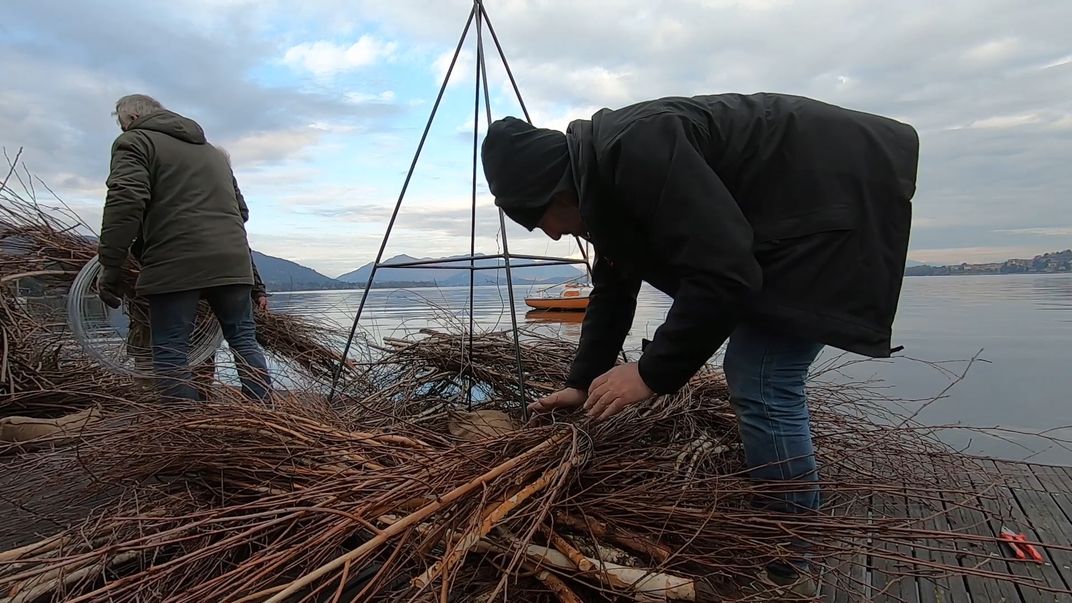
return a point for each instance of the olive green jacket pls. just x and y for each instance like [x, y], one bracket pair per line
[175, 192]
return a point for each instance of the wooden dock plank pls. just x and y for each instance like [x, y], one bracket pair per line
[1009, 510]
[1053, 479]
[942, 588]
[1061, 559]
[963, 515]
[1017, 476]
[845, 582]
[888, 578]
[1048, 521]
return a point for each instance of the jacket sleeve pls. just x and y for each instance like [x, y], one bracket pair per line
[611, 306]
[242, 207]
[129, 192]
[695, 230]
[259, 290]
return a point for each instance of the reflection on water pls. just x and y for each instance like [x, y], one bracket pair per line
[554, 316]
[398, 312]
[1022, 324]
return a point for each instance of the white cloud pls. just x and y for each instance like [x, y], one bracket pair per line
[999, 122]
[559, 119]
[271, 146]
[756, 5]
[1061, 62]
[464, 67]
[993, 51]
[361, 98]
[998, 71]
[324, 58]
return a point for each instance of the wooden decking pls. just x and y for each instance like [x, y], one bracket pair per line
[1033, 499]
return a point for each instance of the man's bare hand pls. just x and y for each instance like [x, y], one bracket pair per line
[570, 397]
[614, 390]
[262, 303]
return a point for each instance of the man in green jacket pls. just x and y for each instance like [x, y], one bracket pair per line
[176, 193]
[139, 341]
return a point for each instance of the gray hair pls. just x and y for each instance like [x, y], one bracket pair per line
[225, 153]
[133, 106]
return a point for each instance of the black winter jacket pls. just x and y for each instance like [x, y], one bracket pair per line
[779, 210]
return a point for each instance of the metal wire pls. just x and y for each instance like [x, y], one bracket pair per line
[102, 332]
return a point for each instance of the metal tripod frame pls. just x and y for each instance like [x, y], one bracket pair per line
[478, 16]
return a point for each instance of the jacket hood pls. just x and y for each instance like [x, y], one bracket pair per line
[172, 124]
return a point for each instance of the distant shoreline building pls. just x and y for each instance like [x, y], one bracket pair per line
[1048, 263]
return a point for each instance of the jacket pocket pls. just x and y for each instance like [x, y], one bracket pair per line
[823, 219]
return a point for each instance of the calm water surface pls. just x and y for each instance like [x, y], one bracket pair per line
[1020, 327]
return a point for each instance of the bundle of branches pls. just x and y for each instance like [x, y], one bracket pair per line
[307, 501]
[43, 370]
[305, 344]
[439, 367]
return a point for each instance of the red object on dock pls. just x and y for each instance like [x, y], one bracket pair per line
[1020, 548]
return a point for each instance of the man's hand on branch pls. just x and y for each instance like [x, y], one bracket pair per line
[615, 390]
[568, 398]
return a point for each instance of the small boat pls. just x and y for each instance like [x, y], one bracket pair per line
[573, 298]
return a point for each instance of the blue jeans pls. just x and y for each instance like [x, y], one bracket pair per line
[171, 321]
[766, 372]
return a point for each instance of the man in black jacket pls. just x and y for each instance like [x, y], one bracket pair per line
[775, 222]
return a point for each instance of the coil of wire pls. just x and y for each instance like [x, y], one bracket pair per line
[119, 338]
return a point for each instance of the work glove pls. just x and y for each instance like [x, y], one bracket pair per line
[110, 287]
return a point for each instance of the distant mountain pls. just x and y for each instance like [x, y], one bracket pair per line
[396, 275]
[284, 275]
[448, 277]
[912, 263]
[1047, 263]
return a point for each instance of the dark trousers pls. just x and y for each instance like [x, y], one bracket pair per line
[766, 374]
[171, 320]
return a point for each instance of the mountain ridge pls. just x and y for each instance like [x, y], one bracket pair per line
[450, 277]
[280, 274]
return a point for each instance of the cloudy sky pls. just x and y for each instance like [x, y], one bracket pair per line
[321, 103]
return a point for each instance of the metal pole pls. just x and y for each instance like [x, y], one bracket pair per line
[521, 101]
[472, 227]
[502, 220]
[506, 65]
[398, 204]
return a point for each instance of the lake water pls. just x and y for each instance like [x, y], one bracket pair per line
[1020, 326]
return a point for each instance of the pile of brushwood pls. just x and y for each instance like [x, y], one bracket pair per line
[423, 480]
[43, 371]
[396, 490]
